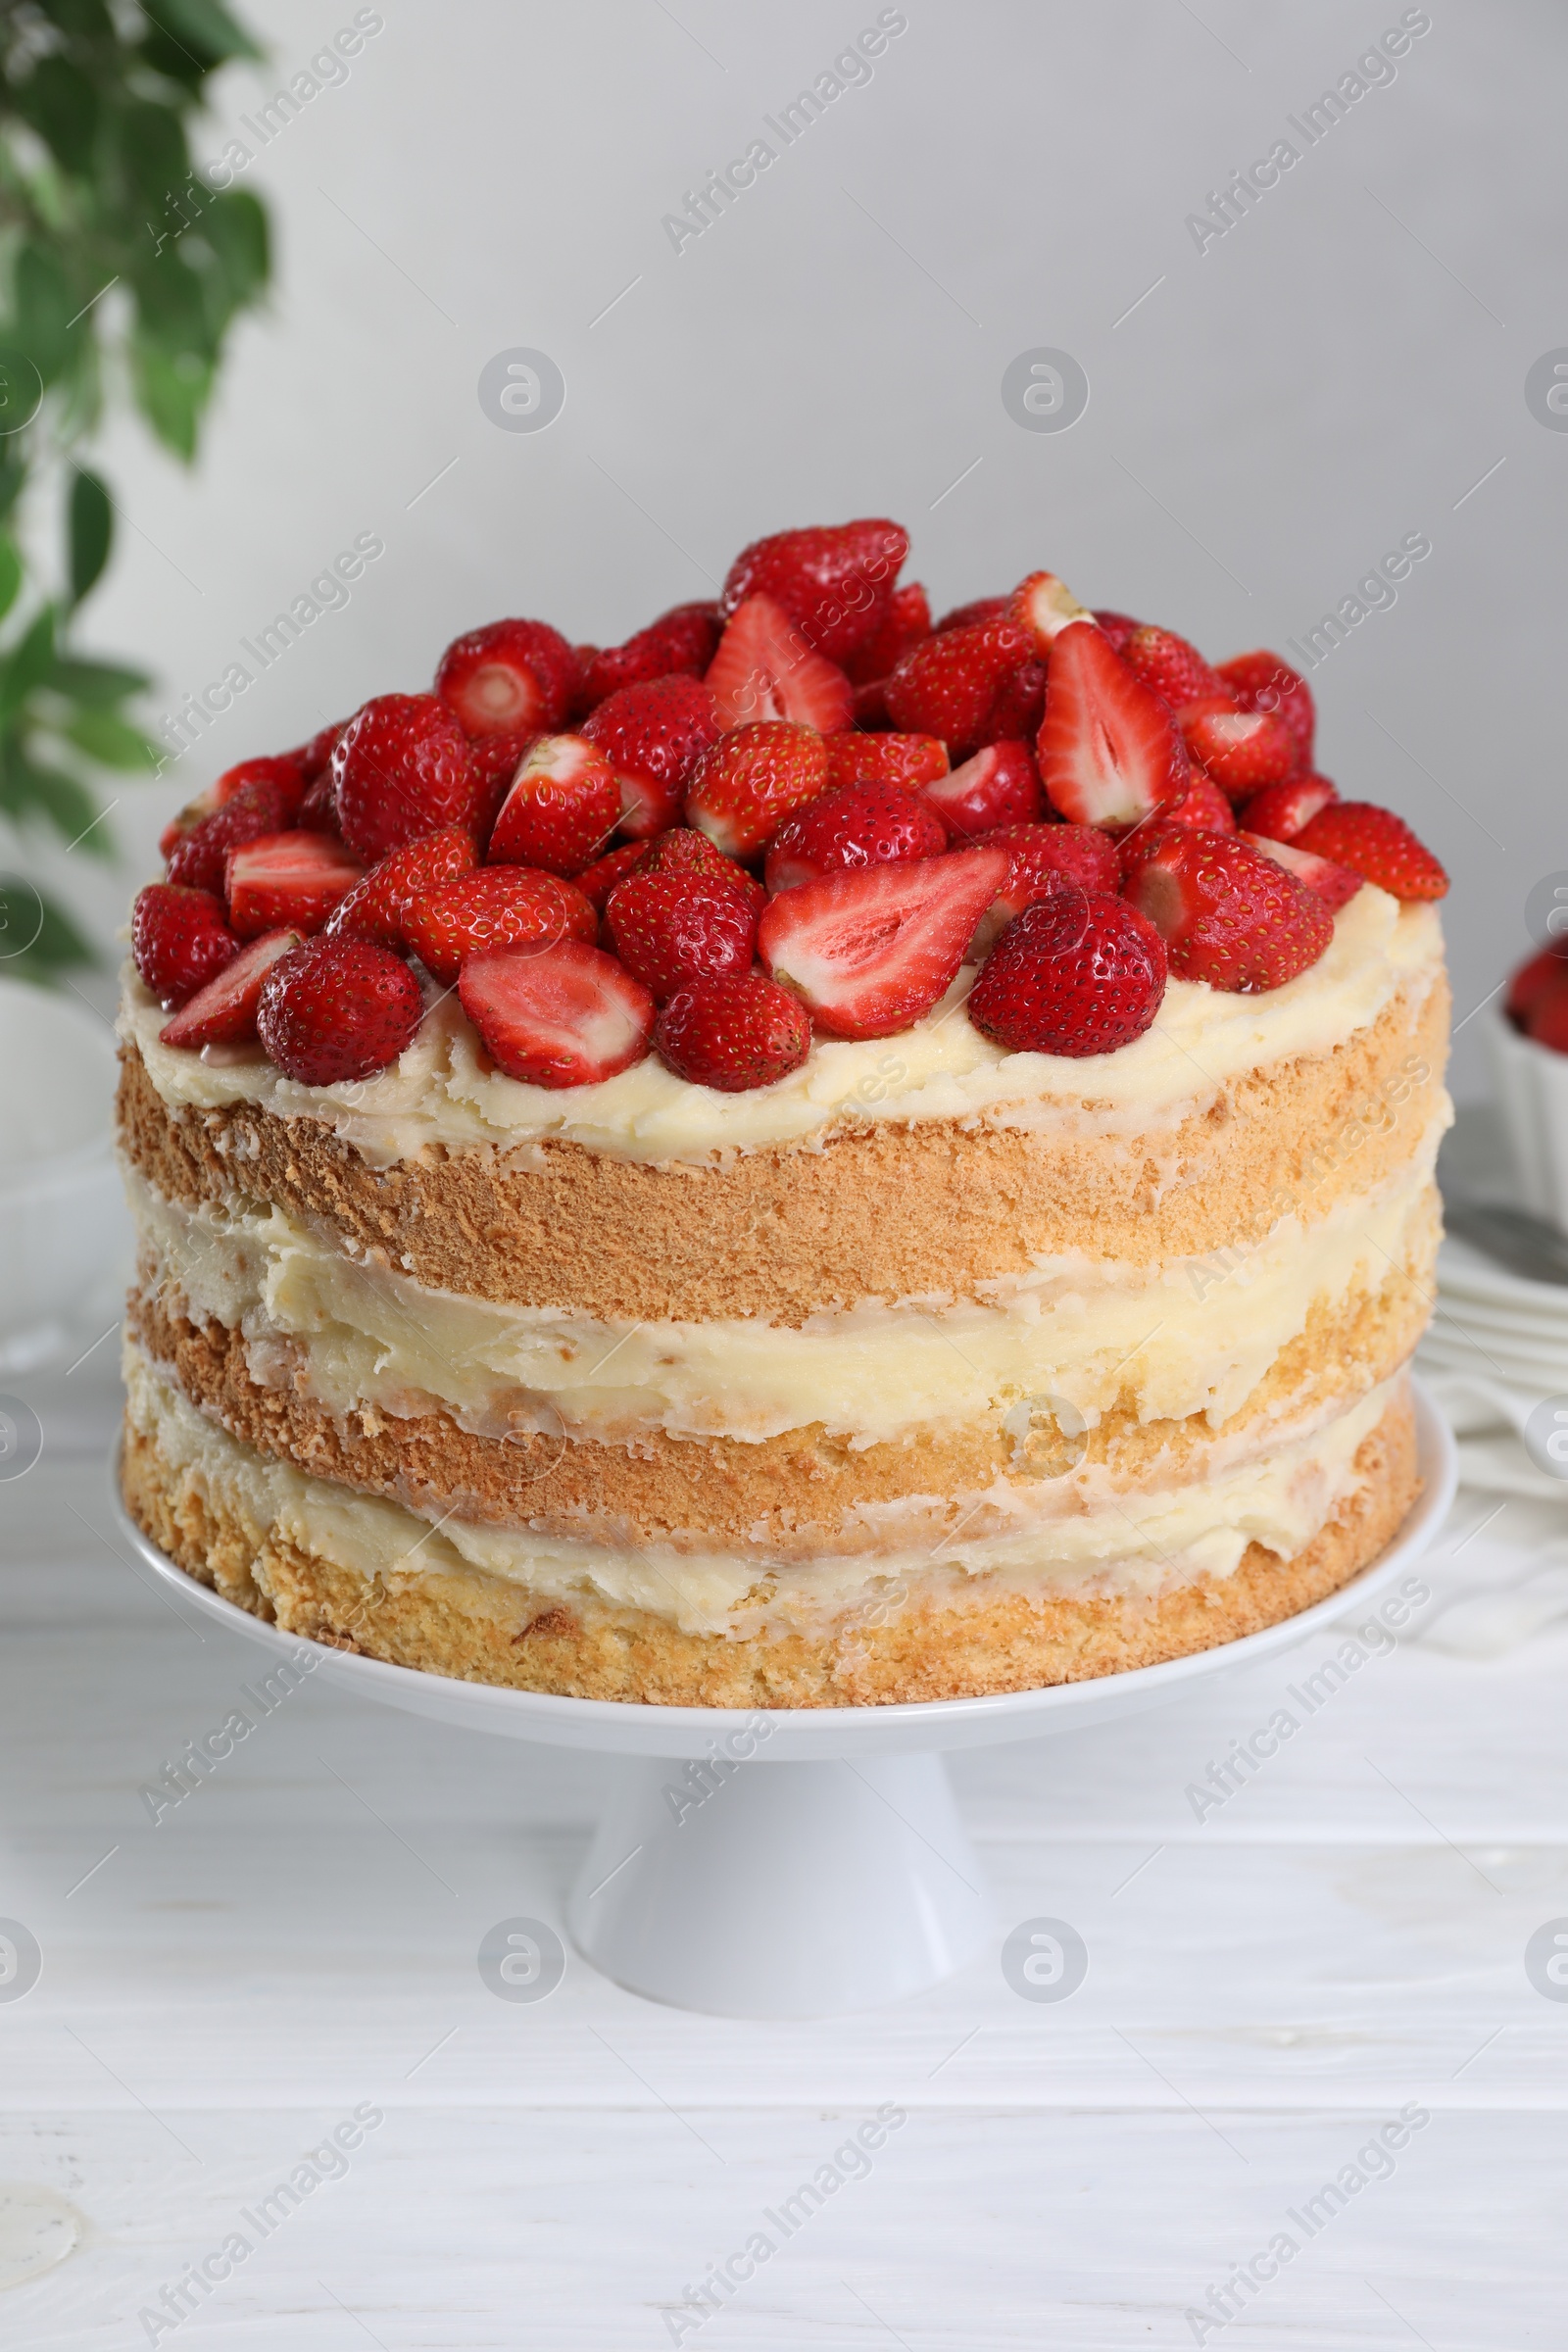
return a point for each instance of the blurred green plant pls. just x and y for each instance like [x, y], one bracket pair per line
[121, 275]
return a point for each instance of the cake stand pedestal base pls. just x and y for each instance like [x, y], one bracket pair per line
[771, 1889]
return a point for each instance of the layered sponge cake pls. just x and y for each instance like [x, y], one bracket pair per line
[875, 1254]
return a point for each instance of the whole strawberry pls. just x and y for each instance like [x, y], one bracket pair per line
[1261, 681]
[180, 940]
[263, 806]
[834, 582]
[669, 928]
[1041, 860]
[400, 768]
[337, 1009]
[509, 676]
[679, 643]
[494, 906]
[653, 736]
[947, 686]
[905, 621]
[733, 1033]
[850, 825]
[746, 784]
[1227, 914]
[563, 806]
[912, 761]
[1076, 974]
[1170, 667]
[1378, 845]
[374, 908]
[1281, 812]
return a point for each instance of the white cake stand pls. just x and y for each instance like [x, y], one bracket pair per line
[841, 1876]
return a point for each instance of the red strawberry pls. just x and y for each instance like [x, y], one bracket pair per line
[313, 757]
[670, 928]
[494, 760]
[906, 621]
[509, 677]
[870, 951]
[1170, 667]
[568, 1016]
[746, 785]
[764, 669]
[871, 706]
[1227, 914]
[1201, 806]
[908, 759]
[834, 582]
[1019, 707]
[680, 642]
[1280, 811]
[336, 1009]
[263, 807]
[653, 736]
[852, 825]
[1118, 627]
[601, 878]
[1044, 606]
[1109, 754]
[949, 685]
[1075, 974]
[287, 878]
[223, 1013]
[1547, 1024]
[400, 769]
[1334, 885]
[284, 771]
[1261, 681]
[685, 851]
[494, 906]
[998, 785]
[973, 616]
[1241, 749]
[1041, 859]
[1377, 845]
[563, 804]
[1541, 976]
[374, 908]
[318, 808]
[733, 1033]
[180, 940]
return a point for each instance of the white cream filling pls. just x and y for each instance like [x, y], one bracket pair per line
[442, 1089]
[1136, 1546]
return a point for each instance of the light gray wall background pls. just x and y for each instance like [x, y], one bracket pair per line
[1266, 416]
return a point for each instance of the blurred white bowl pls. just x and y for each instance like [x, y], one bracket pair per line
[63, 1221]
[1530, 1085]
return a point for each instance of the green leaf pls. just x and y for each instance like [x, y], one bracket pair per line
[27, 665]
[37, 937]
[153, 159]
[171, 393]
[111, 741]
[235, 227]
[29, 790]
[96, 685]
[10, 572]
[45, 307]
[206, 27]
[92, 531]
[62, 104]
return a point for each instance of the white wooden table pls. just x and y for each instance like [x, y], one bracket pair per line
[1341, 1940]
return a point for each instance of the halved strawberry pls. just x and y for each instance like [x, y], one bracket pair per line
[906, 621]
[764, 669]
[1044, 606]
[333, 1010]
[223, 1013]
[374, 908]
[598, 880]
[180, 940]
[733, 1033]
[1539, 977]
[287, 878]
[870, 951]
[1171, 667]
[263, 806]
[681, 642]
[1109, 754]
[747, 783]
[563, 804]
[949, 685]
[653, 736]
[669, 928]
[508, 676]
[1040, 859]
[1228, 914]
[973, 614]
[1282, 810]
[852, 825]
[1118, 627]
[1377, 845]
[1334, 885]
[997, 785]
[1241, 749]
[562, 1016]
[1261, 681]
[833, 581]
[1076, 974]
[494, 906]
[400, 768]
[908, 759]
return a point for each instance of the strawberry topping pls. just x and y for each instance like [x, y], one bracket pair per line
[852, 825]
[180, 940]
[401, 767]
[287, 878]
[1261, 681]
[494, 906]
[1282, 810]
[563, 804]
[1170, 667]
[669, 928]
[333, 1010]
[223, 1013]
[509, 676]
[908, 759]
[1044, 606]
[834, 582]
[1227, 914]
[1040, 859]
[1109, 754]
[566, 1017]
[263, 806]
[949, 685]
[374, 908]
[681, 642]
[1075, 974]
[1334, 885]
[743, 787]
[653, 736]
[734, 1033]
[998, 785]
[905, 621]
[871, 950]
[1378, 845]
[1241, 749]
[764, 669]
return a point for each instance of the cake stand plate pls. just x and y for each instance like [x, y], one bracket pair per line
[840, 1877]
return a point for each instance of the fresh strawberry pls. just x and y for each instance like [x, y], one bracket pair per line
[401, 767]
[906, 621]
[566, 1016]
[1109, 754]
[1040, 859]
[1227, 914]
[948, 686]
[973, 615]
[685, 851]
[671, 928]
[870, 951]
[1171, 667]
[764, 669]
[180, 940]
[871, 706]
[287, 878]
[1547, 1024]
[313, 757]
[1200, 804]
[318, 808]
[680, 642]
[733, 1033]
[601, 878]
[284, 771]
[336, 1009]
[744, 786]
[1334, 885]
[1118, 627]
[1541, 976]
[198, 860]
[1076, 974]
[653, 736]
[223, 1013]
[1019, 707]
[563, 806]
[1378, 845]
[998, 785]
[494, 760]
[1243, 749]
[494, 906]
[1281, 811]
[509, 677]
[1261, 681]
[1043, 605]
[374, 908]
[583, 657]
[908, 759]
[834, 582]
[852, 825]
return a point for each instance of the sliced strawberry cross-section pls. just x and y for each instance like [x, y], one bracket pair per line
[870, 951]
[287, 878]
[764, 669]
[1077, 973]
[1334, 885]
[333, 1010]
[746, 784]
[563, 806]
[733, 1033]
[1282, 810]
[566, 1017]
[223, 1013]
[1044, 606]
[1108, 750]
[1227, 914]
[494, 906]
[509, 677]
[833, 581]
